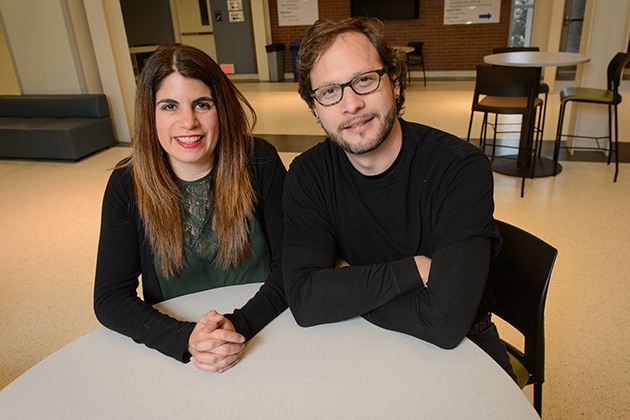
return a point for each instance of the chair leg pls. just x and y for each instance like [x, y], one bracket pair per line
[616, 145]
[494, 134]
[610, 134]
[530, 154]
[424, 75]
[537, 143]
[556, 150]
[472, 114]
[542, 126]
[484, 132]
[538, 398]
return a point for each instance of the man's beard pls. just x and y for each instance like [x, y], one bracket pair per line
[368, 145]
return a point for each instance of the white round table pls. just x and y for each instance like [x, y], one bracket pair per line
[347, 370]
[512, 164]
[536, 59]
[404, 48]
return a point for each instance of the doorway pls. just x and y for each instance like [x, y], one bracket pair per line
[193, 24]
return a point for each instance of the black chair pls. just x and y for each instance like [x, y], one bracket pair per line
[542, 89]
[519, 276]
[510, 91]
[609, 96]
[415, 58]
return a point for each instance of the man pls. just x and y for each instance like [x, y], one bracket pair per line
[386, 219]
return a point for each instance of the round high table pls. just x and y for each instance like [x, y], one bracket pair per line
[346, 370]
[511, 164]
[404, 48]
[536, 59]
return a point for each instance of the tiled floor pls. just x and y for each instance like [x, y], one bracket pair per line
[49, 214]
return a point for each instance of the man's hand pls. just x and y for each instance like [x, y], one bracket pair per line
[339, 263]
[424, 267]
[214, 343]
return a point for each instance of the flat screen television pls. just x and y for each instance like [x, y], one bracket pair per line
[386, 9]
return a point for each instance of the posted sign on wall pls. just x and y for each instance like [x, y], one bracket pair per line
[466, 12]
[297, 12]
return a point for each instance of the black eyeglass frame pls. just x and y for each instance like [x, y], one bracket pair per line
[343, 86]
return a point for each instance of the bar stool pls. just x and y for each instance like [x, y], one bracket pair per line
[609, 96]
[543, 89]
[509, 91]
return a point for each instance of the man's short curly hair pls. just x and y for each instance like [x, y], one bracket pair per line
[324, 32]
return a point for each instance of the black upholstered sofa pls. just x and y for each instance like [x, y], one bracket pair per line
[65, 127]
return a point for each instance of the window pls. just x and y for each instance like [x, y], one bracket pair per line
[521, 23]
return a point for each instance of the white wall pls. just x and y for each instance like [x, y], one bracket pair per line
[8, 80]
[114, 61]
[42, 50]
[546, 32]
[262, 36]
[84, 48]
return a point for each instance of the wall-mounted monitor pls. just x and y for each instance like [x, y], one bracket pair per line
[386, 9]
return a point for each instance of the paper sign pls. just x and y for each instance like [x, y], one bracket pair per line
[466, 12]
[235, 5]
[237, 16]
[297, 12]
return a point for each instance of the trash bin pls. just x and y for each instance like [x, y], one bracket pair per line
[275, 56]
[295, 47]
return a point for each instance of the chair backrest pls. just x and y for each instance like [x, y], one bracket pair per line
[519, 276]
[503, 81]
[514, 49]
[615, 70]
[544, 88]
[417, 46]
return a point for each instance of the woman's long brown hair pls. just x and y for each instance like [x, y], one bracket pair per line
[155, 184]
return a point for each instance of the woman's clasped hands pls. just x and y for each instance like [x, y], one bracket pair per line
[214, 344]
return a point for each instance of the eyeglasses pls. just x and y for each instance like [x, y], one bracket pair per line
[362, 84]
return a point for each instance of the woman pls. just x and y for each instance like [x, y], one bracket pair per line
[196, 206]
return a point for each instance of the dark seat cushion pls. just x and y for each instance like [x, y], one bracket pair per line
[54, 106]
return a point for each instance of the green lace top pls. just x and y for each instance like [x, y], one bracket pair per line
[201, 271]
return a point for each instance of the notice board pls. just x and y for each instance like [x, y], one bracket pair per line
[297, 12]
[467, 12]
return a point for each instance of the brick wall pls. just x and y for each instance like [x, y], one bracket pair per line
[446, 48]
